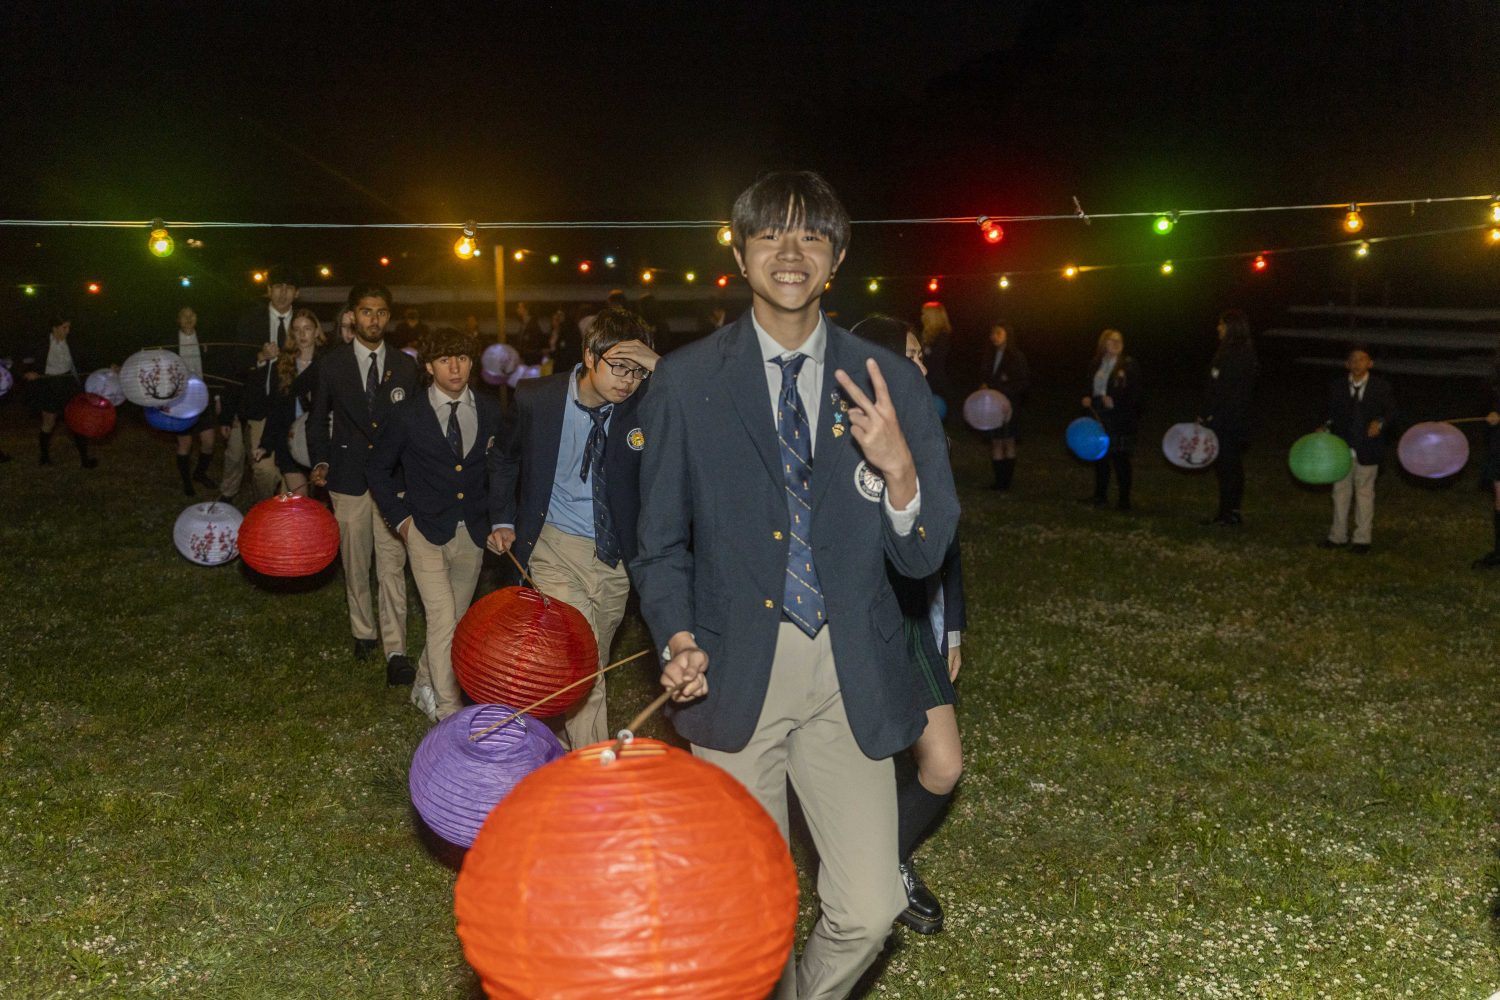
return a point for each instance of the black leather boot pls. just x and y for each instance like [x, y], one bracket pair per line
[923, 913]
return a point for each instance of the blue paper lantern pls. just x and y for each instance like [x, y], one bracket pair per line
[1088, 439]
[164, 421]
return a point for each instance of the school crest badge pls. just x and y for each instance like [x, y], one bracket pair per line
[398, 394]
[868, 482]
[635, 439]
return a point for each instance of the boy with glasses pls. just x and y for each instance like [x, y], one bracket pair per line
[563, 491]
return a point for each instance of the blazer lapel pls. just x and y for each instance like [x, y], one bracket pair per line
[550, 416]
[744, 371]
[833, 451]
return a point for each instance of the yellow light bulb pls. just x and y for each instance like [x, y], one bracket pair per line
[690, 277]
[519, 255]
[645, 277]
[1166, 267]
[874, 285]
[1004, 282]
[1363, 250]
[160, 244]
[325, 271]
[1495, 211]
[725, 236]
[1495, 235]
[466, 244]
[258, 276]
[1070, 272]
[1353, 221]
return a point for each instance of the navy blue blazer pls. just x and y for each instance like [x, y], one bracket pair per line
[441, 488]
[340, 391]
[713, 534]
[1350, 418]
[523, 471]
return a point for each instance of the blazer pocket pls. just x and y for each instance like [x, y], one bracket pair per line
[885, 615]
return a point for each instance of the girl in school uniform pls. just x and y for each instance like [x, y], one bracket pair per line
[192, 352]
[291, 398]
[1114, 398]
[1005, 371]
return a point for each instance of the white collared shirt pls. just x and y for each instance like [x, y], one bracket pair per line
[362, 355]
[468, 414]
[190, 353]
[278, 320]
[1357, 389]
[59, 356]
[809, 388]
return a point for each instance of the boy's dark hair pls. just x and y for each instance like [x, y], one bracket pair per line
[886, 331]
[790, 200]
[615, 299]
[57, 320]
[282, 275]
[446, 342]
[615, 326]
[370, 290]
[1365, 348]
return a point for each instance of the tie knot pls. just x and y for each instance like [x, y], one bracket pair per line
[598, 414]
[453, 406]
[791, 367]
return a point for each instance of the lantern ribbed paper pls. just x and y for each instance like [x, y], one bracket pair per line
[1433, 450]
[1190, 446]
[105, 382]
[986, 410]
[456, 781]
[653, 876]
[1320, 458]
[288, 535]
[153, 378]
[164, 421]
[208, 533]
[193, 402]
[514, 647]
[1088, 439]
[90, 416]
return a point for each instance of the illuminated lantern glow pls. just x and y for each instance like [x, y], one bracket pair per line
[153, 378]
[873, 286]
[1088, 439]
[163, 421]
[208, 533]
[1004, 282]
[1190, 446]
[725, 236]
[466, 243]
[1260, 263]
[584, 267]
[1163, 224]
[288, 536]
[690, 277]
[991, 230]
[522, 373]
[1363, 250]
[514, 647]
[94, 288]
[987, 410]
[160, 242]
[1070, 272]
[1433, 450]
[1166, 267]
[191, 404]
[723, 281]
[458, 776]
[646, 277]
[499, 359]
[105, 382]
[655, 875]
[1319, 458]
[89, 416]
[932, 284]
[1353, 221]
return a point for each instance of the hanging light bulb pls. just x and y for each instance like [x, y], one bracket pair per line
[873, 286]
[991, 229]
[160, 244]
[1495, 211]
[257, 276]
[1166, 267]
[646, 276]
[584, 267]
[609, 261]
[186, 281]
[28, 289]
[725, 236]
[94, 287]
[1162, 224]
[478, 252]
[467, 243]
[385, 262]
[1070, 272]
[554, 259]
[690, 277]
[723, 281]
[1004, 282]
[1353, 221]
[932, 284]
[325, 271]
[1363, 250]
[1494, 236]
[1260, 263]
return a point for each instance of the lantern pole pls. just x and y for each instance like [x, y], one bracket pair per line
[582, 680]
[628, 733]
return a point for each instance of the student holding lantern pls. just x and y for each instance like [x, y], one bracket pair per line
[781, 468]
[54, 378]
[1360, 408]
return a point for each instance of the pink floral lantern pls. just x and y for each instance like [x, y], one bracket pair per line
[153, 378]
[208, 533]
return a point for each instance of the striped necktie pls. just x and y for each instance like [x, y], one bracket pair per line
[606, 543]
[802, 600]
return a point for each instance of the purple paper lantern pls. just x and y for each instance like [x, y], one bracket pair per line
[455, 781]
[498, 361]
[986, 409]
[1433, 450]
[105, 382]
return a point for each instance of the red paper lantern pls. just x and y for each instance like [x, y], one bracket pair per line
[288, 535]
[514, 646]
[654, 875]
[89, 415]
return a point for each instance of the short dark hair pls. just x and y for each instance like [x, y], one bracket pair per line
[370, 290]
[886, 331]
[1236, 327]
[790, 199]
[615, 326]
[1363, 348]
[615, 298]
[57, 320]
[446, 342]
[281, 275]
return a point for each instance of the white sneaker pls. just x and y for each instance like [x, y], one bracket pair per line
[423, 697]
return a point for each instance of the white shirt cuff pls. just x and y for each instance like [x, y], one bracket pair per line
[902, 521]
[496, 527]
[955, 639]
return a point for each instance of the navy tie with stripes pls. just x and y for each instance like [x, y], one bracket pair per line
[802, 601]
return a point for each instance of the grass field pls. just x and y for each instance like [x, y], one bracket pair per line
[1201, 762]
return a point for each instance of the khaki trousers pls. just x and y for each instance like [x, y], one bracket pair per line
[265, 478]
[446, 576]
[564, 566]
[849, 801]
[361, 529]
[1360, 484]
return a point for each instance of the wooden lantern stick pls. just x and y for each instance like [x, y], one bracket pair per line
[628, 733]
[568, 687]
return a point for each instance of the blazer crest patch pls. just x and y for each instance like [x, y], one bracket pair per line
[869, 483]
[398, 393]
[635, 439]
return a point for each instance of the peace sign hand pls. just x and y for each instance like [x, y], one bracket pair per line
[877, 431]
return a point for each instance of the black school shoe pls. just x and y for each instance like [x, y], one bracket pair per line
[923, 913]
[362, 647]
[399, 671]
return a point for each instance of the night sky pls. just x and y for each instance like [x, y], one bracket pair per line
[361, 113]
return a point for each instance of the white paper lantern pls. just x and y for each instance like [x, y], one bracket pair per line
[208, 533]
[986, 410]
[1190, 446]
[193, 402]
[153, 378]
[6, 380]
[523, 372]
[105, 382]
[499, 359]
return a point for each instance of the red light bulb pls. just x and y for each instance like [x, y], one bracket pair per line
[584, 267]
[1260, 263]
[932, 284]
[723, 281]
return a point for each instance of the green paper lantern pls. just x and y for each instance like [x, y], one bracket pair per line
[1320, 458]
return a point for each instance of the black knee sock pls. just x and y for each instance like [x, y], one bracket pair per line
[82, 444]
[182, 470]
[997, 466]
[204, 457]
[1497, 531]
[916, 808]
[44, 443]
[1007, 472]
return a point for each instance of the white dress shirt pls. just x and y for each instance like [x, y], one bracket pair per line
[190, 353]
[59, 356]
[362, 356]
[468, 414]
[1357, 389]
[809, 388]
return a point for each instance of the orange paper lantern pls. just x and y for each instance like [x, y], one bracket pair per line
[514, 647]
[288, 535]
[89, 415]
[654, 875]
